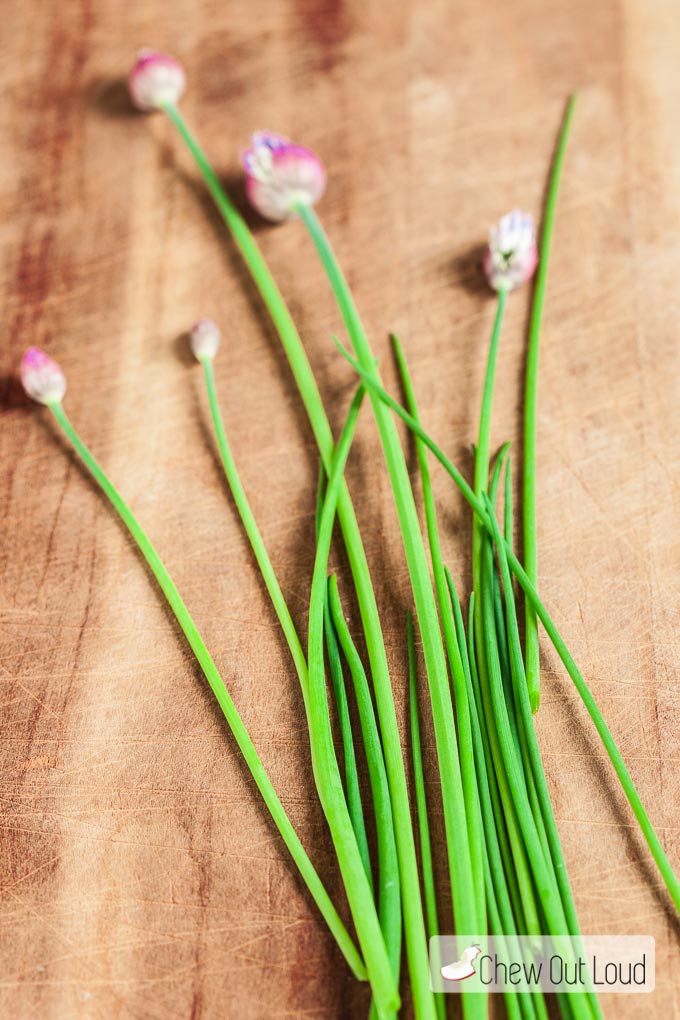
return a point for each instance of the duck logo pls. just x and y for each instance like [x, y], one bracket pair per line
[463, 968]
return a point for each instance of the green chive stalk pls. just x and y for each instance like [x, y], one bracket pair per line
[414, 925]
[426, 866]
[324, 760]
[656, 849]
[460, 865]
[212, 675]
[354, 805]
[389, 892]
[530, 401]
[353, 790]
[252, 531]
[484, 437]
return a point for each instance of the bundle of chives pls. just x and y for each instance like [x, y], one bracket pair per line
[285, 180]
[505, 859]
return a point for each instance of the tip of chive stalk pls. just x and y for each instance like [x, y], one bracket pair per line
[511, 255]
[280, 176]
[156, 80]
[41, 377]
[204, 339]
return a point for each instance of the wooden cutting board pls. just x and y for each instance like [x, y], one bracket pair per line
[140, 878]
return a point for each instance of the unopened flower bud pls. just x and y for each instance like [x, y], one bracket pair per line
[281, 175]
[204, 338]
[511, 256]
[41, 377]
[156, 80]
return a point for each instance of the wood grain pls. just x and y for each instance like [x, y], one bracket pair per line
[140, 878]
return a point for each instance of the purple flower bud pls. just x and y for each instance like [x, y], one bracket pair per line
[204, 339]
[511, 256]
[41, 377]
[281, 175]
[156, 80]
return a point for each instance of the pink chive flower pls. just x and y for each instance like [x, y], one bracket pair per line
[156, 80]
[204, 339]
[511, 256]
[41, 377]
[281, 175]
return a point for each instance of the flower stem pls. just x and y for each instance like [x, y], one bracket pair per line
[354, 805]
[414, 927]
[530, 401]
[483, 440]
[212, 675]
[252, 530]
[389, 893]
[458, 846]
[653, 842]
[429, 893]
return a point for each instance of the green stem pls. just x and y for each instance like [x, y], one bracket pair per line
[324, 761]
[252, 530]
[414, 927]
[354, 805]
[483, 440]
[625, 779]
[530, 401]
[442, 710]
[389, 893]
[429, 894]
[212, 675]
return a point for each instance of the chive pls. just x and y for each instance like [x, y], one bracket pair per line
[354, 805]
[498, 606]
[484, 588]
[624, 777]
[483, 439]
[324, 761]
[414, 927]
[465, 743]
[530, 400]
[389, 893]
[507, 505]
[212, 675]
[426, 866]
[252, 530]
